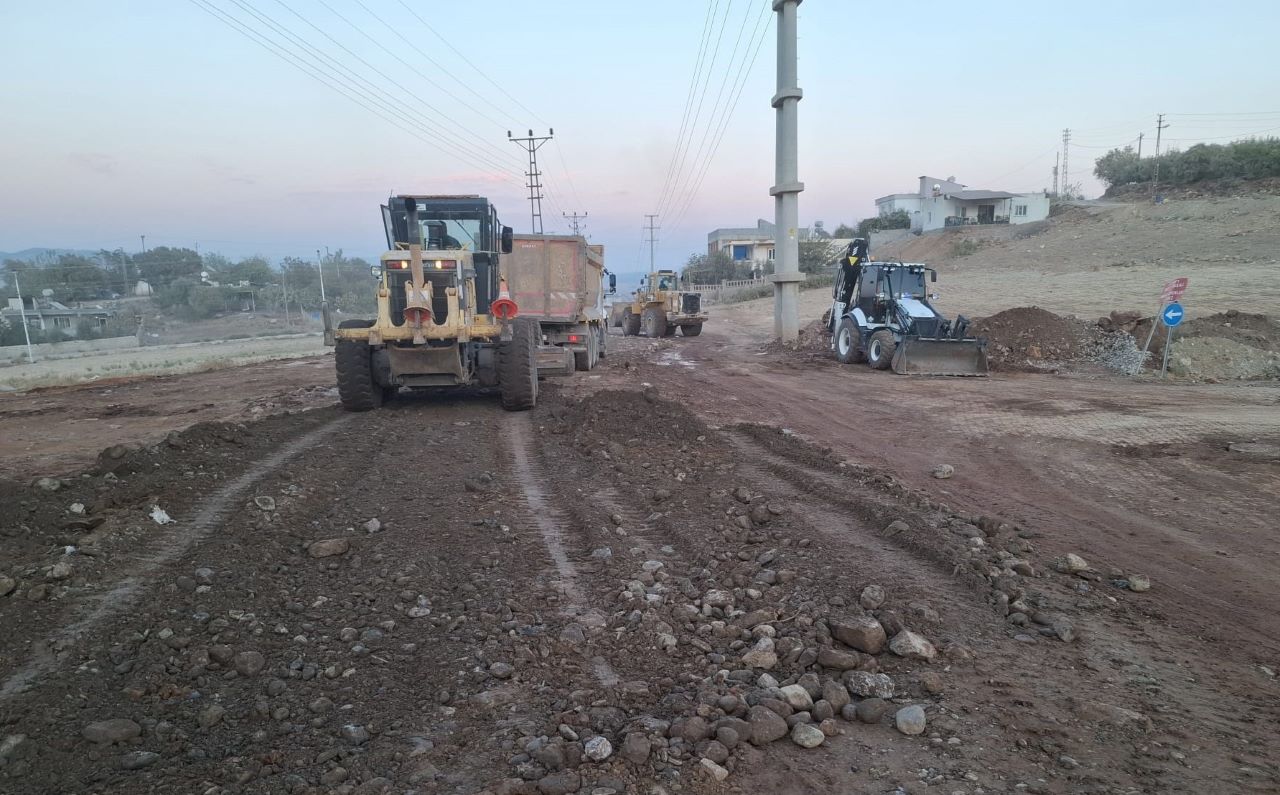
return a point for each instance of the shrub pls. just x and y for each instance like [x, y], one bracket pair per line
[1252, 158]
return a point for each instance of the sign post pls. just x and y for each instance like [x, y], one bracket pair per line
[1172, 316]
[1171, 294]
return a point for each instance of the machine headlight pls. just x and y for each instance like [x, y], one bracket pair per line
[376, 270]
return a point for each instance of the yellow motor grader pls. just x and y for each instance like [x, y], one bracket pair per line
[444, 316]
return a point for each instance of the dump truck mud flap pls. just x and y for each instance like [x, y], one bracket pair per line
[554, 361]
[917, 356]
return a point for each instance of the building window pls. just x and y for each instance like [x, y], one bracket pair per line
[62, 322]
[741, 253]
[771, 255]
[1020, 209]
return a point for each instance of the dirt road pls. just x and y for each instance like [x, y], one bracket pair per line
[598, 595]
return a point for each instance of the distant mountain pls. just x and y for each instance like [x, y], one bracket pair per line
[33, 254]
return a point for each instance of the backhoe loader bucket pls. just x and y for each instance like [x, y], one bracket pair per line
[920, 356]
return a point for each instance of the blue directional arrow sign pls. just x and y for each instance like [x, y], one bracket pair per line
[1172, 314]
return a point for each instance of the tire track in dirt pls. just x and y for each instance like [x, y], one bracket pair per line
[129, 589]
[550, 522]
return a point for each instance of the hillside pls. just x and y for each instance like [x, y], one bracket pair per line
[1096, 257]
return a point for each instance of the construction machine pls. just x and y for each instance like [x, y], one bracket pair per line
[444, 316]
[881, 315]
[561, 281]
[661, 306]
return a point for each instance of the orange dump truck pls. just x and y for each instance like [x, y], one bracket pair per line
[560, 281]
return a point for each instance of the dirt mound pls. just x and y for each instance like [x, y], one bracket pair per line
[1221, 359]
[1029, 336]
[813, 338]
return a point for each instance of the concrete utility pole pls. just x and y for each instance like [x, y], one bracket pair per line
[652, 240]
[144, 244]
[22, 310]
[320, 267]
[1056, 158]
[787, 184]
[1066, 143]
[1140, 145]
[532, 144]
[573, 219]
[1155, 179]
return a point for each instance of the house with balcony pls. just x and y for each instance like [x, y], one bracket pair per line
[943, 203]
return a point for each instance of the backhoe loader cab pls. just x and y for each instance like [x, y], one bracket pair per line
[444, 317]
[881, 315]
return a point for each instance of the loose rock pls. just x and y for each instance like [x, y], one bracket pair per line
[871, 597]
[249, 663]
[806, 735]
[868, 685]
[597, 749]
[863, 633]
[329, 547]
[1137, 583]
[910, 720]
[766, 725]
[912, 646]
[106, 732]
[943, 471]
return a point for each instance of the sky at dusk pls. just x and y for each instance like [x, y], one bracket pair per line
[157, 117]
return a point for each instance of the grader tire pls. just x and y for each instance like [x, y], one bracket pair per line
[880, 349]
[356, 389]
[654, 321]
[518, 366]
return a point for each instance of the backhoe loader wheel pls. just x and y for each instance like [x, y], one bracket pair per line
[691, 330]
[356, 389]
[518, 366]
[654, 321]
[630, 324]
[880, 349]
[849, 343]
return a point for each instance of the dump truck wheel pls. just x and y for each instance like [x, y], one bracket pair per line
[586, 360]
[880, 349]
[603, 333]
[849, 343]
[356, 389]
[630, 324]
[518, 366]
[654, 321]
[691, 330]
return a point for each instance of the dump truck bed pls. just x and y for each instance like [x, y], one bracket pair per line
[555, 278]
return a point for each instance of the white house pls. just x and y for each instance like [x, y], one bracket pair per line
[747, 244]
[941, 203]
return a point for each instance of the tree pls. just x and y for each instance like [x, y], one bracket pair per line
[816, 256]
[845, 231]
[711, 268]
[162, 265]
[254, 270]
[898, 219]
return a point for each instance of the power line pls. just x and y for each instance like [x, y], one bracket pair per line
[744, 72]
[385, 76]
[694, 78]
[733, 56]
[664, 200]
[574, 219]
[468, 62]
[293, 60]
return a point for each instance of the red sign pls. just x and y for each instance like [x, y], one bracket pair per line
[1173, 290]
